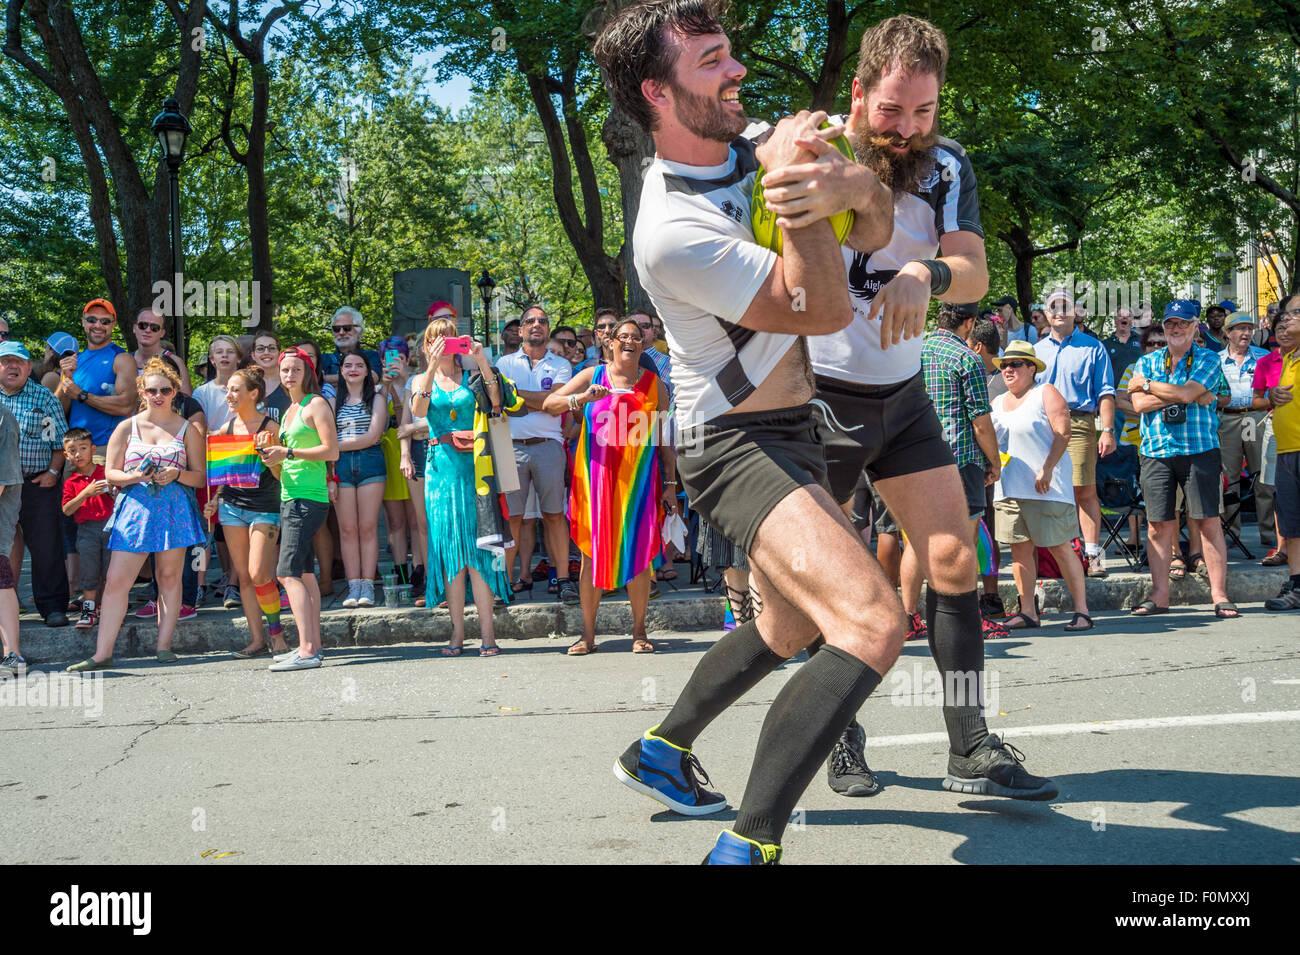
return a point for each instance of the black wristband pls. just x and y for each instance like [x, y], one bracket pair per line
[940, 275]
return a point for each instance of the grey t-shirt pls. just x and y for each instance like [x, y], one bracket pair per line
[11, 471]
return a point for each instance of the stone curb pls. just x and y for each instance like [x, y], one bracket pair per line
[219, 631]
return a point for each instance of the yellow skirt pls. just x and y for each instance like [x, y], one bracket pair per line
[395, 488]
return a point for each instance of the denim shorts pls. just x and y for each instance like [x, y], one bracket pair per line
[233, 516]
[419, 455]
[366, 466]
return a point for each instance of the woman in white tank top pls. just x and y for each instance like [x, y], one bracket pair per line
[1034, 498]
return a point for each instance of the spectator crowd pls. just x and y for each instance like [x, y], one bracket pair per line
[115, 468]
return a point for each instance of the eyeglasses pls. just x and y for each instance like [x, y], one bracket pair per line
[1016, 363]
[442, 315]
[605, 327]
[4, 336]
[343, 329]
[629, 339]
[645, 325]
[98, 320]
[1292, 312]
[159, 392]
[567, 342]
[272, 348]
[148, 326]
[1155, 344]
[533, 321]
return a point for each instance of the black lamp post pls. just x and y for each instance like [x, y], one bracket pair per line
[485, 287]
[172, 128]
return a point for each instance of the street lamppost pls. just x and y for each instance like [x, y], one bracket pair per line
[485, 287]
[172, 128]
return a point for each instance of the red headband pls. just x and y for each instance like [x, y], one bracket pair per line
[296, 352]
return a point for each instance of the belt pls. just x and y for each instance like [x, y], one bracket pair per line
[531, 440]
[35, 474]
[1083, 414]
[1235, 410]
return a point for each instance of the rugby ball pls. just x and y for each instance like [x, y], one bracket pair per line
[766, 231]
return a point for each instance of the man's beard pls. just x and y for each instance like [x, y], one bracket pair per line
[901, 173]
[707, 118]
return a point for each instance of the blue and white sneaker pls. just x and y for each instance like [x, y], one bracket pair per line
[732, 849]
[666, 773]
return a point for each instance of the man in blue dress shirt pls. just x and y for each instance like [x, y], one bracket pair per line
[1079, 368]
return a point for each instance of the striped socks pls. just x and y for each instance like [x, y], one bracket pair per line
[268, 598]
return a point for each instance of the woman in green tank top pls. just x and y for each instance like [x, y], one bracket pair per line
[308, 442]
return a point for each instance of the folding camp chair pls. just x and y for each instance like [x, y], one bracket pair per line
[1232, 498]
[1121, 497]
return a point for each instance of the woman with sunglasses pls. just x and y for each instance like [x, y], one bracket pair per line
[457, 567]
[1034, 498]
[308, 442]
[624, 480]
[250, 517]
[151, 454]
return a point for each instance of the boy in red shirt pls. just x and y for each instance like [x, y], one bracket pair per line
[87, 497]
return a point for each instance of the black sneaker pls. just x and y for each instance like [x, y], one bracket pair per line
[568, 592]
[994, 770]
[1288, 598]
[991, 606]
[847, 772]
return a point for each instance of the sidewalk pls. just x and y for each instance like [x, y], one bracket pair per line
[681, 607]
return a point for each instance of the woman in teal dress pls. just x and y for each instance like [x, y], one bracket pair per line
[456, 566]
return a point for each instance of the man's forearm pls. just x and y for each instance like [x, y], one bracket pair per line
[119, 406]
[533, 400]
[873, 218]
[987, 438]
[814, 276]
[970, 279]
[1106, 411]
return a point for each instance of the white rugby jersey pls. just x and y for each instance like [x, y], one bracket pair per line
[947, 202]
[695, 254]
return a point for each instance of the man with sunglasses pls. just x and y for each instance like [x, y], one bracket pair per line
[149, 330]
[98, 384]
[539, 454]
[346, 327]
[41, 428]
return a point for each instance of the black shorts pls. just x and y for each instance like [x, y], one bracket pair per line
[972, 483]
[1199, 475]
[299, 521]
[1287, 486]
[738, 467]
[890, 430]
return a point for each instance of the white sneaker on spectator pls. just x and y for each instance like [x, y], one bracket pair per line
[297, 663]
[13, 665]
[354, 591]
[366, 595]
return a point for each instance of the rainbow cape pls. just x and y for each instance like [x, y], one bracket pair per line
[614, 508]
[233, 461]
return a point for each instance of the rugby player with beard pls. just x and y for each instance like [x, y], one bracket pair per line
[871, 399]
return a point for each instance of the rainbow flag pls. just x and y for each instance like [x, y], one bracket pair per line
[233, 460]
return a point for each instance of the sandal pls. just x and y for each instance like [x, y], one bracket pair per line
[642, 645]
[1177, 569]
[742, 604]
[1148, 608]
[1227, 611]
[249, 652]
[1020, 621]
[581, 649]
[520, 585]
[1198, 565]
[666, 573]
[450, 651]
[1075, 627]
[489, 651]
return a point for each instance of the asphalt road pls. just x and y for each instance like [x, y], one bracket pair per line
[1173, 740]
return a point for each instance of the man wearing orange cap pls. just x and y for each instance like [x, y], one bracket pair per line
[98, 385]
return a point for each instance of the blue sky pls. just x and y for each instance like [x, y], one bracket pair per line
[454, 94]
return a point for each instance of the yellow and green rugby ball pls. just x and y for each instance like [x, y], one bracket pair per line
[766, 231]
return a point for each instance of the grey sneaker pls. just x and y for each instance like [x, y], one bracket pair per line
[287, 655]
[994, 769]
[365, 594]
[847, 772]
[1288, 598]
[12, 665]
[297, 663]
[354, 591]
[232, 598]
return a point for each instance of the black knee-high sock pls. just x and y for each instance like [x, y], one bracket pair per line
[727, 672]
[812, 648]
[802, 725]
[957, 645]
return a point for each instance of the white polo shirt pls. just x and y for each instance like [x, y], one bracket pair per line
[542, 375]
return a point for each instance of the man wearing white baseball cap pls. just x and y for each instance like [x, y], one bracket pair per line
[1079, 368]
[1241, 420]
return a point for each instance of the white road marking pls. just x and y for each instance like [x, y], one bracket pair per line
[1287, 682]
[1101, 726]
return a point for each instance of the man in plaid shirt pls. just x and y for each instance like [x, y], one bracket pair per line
[1175, 389]
[957, 384]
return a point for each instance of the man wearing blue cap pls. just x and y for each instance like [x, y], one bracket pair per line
[41, 428]
[1175, 390]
